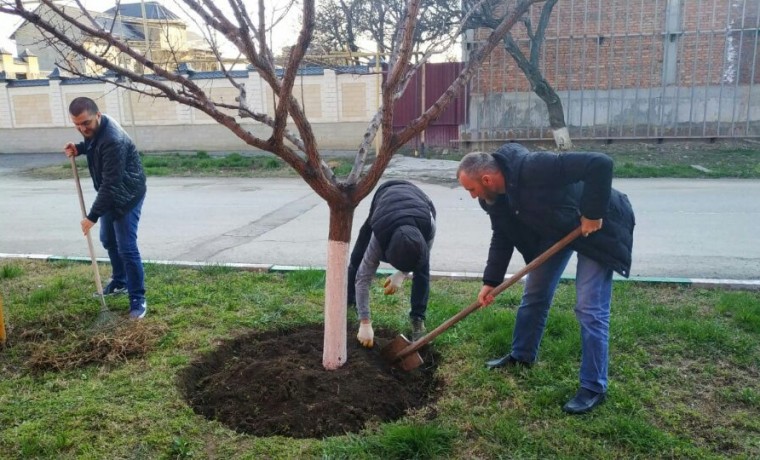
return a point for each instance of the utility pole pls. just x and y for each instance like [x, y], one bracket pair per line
[379, 90]
[145, 29]
[128, 92]
[422, 108]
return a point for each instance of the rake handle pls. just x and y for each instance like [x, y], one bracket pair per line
[2, 324]
[555, 248]
[90, 246]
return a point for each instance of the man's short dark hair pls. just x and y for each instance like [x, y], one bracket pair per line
[83, 104]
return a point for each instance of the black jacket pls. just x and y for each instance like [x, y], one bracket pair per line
[115, 168]
[546, 194]
[395, 203]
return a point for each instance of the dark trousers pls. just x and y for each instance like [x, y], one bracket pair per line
[119, 238]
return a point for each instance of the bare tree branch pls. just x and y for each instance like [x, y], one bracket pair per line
[374, 125]
[74, 38]
[398, 66]
[530, 64]
[496, 36]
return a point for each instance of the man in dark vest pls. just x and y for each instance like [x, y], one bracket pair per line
[400, 230]
[533, 200]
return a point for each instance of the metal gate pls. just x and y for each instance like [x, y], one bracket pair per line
[426, 86]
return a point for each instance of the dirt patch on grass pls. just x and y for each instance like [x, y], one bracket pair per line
[705, 403]
[273, 383]
[122, 341]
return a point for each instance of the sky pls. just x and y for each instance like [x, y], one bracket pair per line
[7, 25]
[287, 30]
[285, 33]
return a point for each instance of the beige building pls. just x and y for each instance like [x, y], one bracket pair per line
[24, 67]
[154, 28]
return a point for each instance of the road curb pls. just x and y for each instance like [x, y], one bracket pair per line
[734, 284]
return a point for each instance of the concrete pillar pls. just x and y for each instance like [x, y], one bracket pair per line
[673, 32]
[254, 86]
[5, 105]
[330, 96]
[112, 102]
[58, 111]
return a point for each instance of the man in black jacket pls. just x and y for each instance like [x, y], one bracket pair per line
[118, 177]
[400, 230]
[533, 200]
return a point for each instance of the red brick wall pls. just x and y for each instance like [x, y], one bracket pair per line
[612, 44]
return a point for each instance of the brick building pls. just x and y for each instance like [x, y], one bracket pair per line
[630, 68]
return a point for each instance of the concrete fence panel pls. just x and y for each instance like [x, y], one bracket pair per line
[34, 113]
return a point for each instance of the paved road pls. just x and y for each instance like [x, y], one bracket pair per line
[685, 228]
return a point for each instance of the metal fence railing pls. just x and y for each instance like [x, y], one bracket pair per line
[629, 69]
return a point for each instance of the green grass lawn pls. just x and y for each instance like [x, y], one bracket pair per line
[685, 372]
[632, 160]
[199, 164]
[685, 362]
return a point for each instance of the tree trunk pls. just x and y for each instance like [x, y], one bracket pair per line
[544, 90]
[335, 353]
[562, 138]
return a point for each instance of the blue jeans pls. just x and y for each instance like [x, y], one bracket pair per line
[593, 289]
[119, 237]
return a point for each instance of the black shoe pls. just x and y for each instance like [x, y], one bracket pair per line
[583, 401]
[506, 361]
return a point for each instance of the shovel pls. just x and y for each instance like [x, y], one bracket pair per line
[105, 316]
[403, 353]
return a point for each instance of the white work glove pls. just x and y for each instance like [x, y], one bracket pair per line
[393, 282]
[366, 335]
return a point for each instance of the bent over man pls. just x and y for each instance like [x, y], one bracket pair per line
[118, 177]
[399, 230]
[533, 200]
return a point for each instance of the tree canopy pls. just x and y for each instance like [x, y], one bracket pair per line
[373, 25]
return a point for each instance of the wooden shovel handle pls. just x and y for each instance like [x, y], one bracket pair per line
[559, 245]
[90, 247]
[2, 323]
[79, 186]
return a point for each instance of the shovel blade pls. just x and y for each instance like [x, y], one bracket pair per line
[410, 362]
[390, 353]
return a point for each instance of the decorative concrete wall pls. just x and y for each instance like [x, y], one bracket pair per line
[34, 113]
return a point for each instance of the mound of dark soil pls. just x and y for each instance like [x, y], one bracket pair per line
[273, 383]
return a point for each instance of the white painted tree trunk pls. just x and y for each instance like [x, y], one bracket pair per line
[335, 352]
[562, 139]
